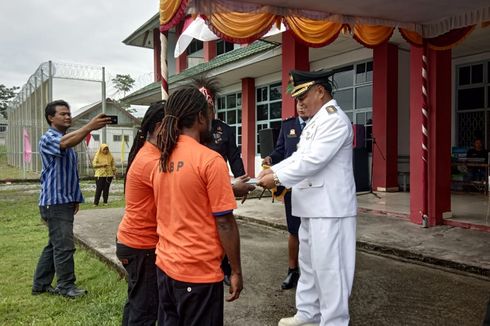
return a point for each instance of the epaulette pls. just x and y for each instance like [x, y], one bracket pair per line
[289, 118]
[331, 109]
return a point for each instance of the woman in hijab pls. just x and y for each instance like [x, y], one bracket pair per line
[105, 170]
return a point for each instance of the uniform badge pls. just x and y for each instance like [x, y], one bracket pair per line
[292, 133]
[331, 109]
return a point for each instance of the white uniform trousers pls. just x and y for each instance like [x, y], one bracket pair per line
[327, 256]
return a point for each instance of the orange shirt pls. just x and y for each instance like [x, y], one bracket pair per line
[189, 197]
[138, 227]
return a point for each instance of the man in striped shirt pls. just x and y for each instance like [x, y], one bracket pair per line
[59, 199]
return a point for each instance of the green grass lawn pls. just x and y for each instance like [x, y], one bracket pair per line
[22, 237]
[10, 172]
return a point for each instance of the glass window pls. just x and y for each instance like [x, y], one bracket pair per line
[116, 138]
[96, 137]
[262, 94]
[126, 138]
[361, 118]
[221, 103]
[344, 99]
[231, 117]
[344, 78]
[361, 73]
[471, 98]
[473, 103]
[230, 112]
[231, 101]
[477, 74]
[276, 109]
[364, 97]
[262, 113]
[269, 108]
[464, 75]
[275, 92]
[223, 46]
[369, 71]
[195, 46]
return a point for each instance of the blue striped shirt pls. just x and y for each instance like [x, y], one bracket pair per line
[59, 176]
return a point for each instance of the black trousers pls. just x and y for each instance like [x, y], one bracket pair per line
[57, 256]
[189, 304]
[102, 185]
[141, 307]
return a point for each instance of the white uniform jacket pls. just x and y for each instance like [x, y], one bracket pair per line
[320, 172]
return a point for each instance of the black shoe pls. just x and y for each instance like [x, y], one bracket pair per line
[72, 292]
[227, 280]
[291, 280]
[48, 289]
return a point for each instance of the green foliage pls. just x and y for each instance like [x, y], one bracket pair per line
[6, 94]
[123, 83]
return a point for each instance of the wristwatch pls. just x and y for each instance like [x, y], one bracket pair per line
[276, 179]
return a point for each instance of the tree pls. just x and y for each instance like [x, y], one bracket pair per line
[6, 94]
[123, 83]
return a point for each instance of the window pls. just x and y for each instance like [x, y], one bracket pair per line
[472, 103]
[223, 46]
[353, 91]
[116, 138]
[126, 138]
[194, 47]
[269, 108]
[3, 128]
[229, 110]
[96, 137]
[195, 53]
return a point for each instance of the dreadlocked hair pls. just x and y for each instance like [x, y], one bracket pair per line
[210, 83]
[153, 115]
[182, 110]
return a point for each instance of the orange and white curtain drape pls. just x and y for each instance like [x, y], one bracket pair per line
[248, 22]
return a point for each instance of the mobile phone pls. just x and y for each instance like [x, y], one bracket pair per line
[113, 119]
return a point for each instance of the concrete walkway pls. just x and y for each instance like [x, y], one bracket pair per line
[444, 246]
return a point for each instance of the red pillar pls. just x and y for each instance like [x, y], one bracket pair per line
[385, 118]
[294, 56]
[157, 50]
[439, 135]
[439, 163]
[209, 50]
[181, 61]
[248, 125]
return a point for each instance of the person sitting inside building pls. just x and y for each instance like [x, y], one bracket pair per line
[477, 154]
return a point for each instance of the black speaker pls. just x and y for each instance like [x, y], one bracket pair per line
[360, 160]
[267, 139]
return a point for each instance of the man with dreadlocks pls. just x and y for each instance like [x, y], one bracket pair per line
[195, 205]
[137, 234]
[223, 141]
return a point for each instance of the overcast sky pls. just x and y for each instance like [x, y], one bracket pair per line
[72, 31]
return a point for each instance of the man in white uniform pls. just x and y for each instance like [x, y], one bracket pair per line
[324, 196]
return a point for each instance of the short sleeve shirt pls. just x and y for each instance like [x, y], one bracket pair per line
[138, 227]
[59, 175]
[189, 197]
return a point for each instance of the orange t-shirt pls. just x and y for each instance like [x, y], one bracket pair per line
[138, 227]
[189, 197]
